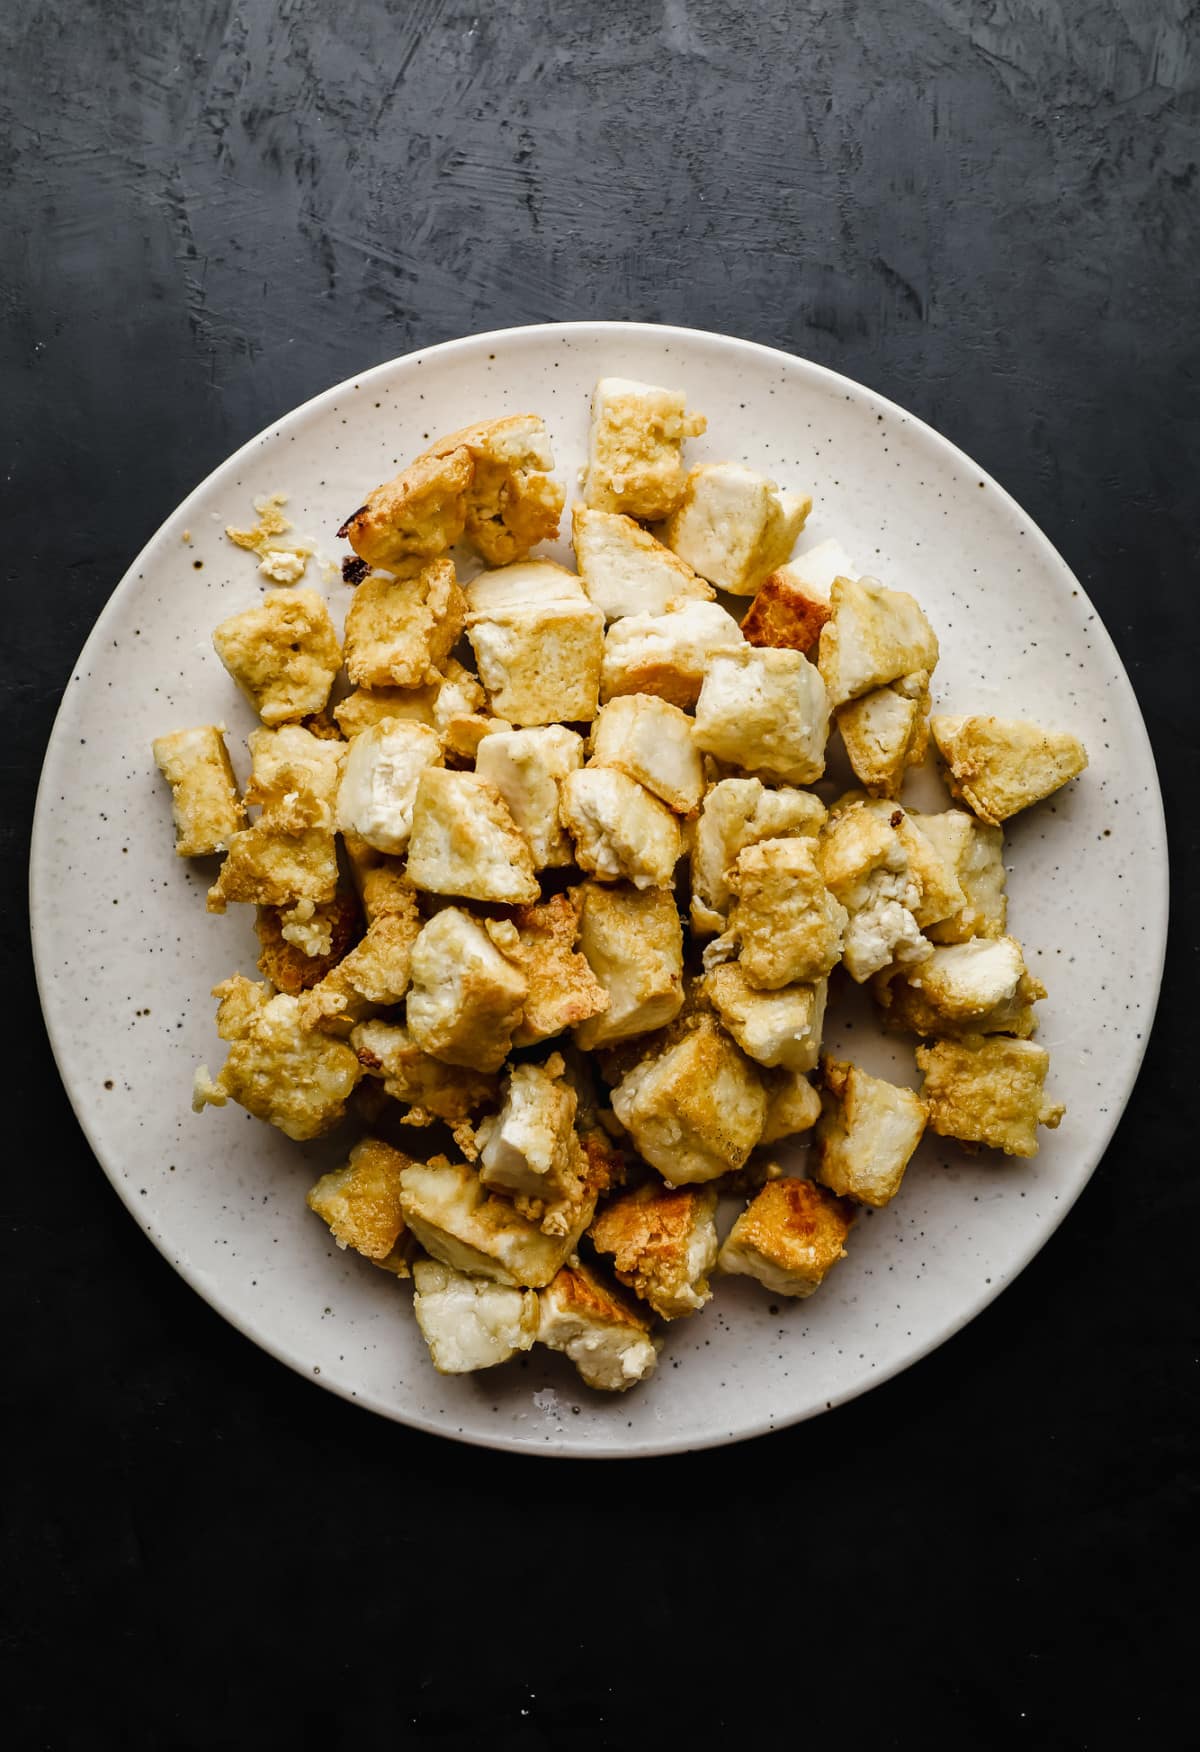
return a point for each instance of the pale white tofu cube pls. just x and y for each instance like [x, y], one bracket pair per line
[866, 1134]
[733, 526]
[540, 662]
[667, 654]
[781, 1027]
[466, 995]
[528, 1147]
[458, 1221]
[874, 636]
[651, 741]
[619, 828]
[379, 781]
[465, 842]
[865, 864]
[978, 987]
[696, 1110]
[625, 570]
[974, 854]
[764, 710]
[527, 767]
[816, 568]
[470, 1322]
[527, 583]
[633, 943]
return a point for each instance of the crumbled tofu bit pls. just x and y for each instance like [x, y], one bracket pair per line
[998, 766]
[428, 1088]
[601, 1332]
[278, 1070]
[815, 569]
[886, 731]
[625, 570]
[866, 866]
[470, 1323]
[563, 990]
[764, 711]
[361, 1201]
[398, 630]
[620, 830]
[978, 987]
[635, 448]
[283, 565]
[204, 799]
[466, 996]
[527, 1146]
[465, 842]
[271, 524]
[781, 1027]
[633, 942]
[785, 613]
[785, 921]
[373, 975]
[265, 867]
[284, 953]
[666, 654]
[738, 813]
[530, 583]
[379, 783]
[527, 768]
[511, 502]
[416, 516]
[988, 1090]
[973, 854]
[540, 662]
[788, 1237]
[457, 1220]
[734, 526]
[696, 1110]
[663, 1243]
[283, 654]
[650, 740]
[866, 1134]
[367, 706]
[294, 776]
[873, 637]
[793, 1106]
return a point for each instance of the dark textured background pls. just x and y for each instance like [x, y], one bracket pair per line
[207, 213]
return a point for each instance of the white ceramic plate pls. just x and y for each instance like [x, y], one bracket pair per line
[126, 954]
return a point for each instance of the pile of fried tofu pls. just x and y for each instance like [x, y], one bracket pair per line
[549, 908]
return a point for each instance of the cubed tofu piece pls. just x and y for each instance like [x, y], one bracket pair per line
[786, 613]
[625, 570]
[277, 1069]
[540, 662]
[788, 1237]
[734, 526]
[793, 1106]
[940, 893]
[988, 1090]
[529, 1147]
[650, 740]
[530, 583]
[815, 568]
[866, 1134]
[784, 921]
[468, 1322]
[466, 996]
[978, 987]
[379, 782]
[866, 866]
[204, 798]
[667, 654]
[294, 777]
[429, 1089]
[635, 448]
[371, 705]
[527, 768]
[373, 976]
[998, 766]
[620, 830]
[465, 842]
[604, 1334]
[974, 855]
[512, 502]
[696, 1110]
[738, 813]
[663, 1244]
[399, 630]
[361, 1201]
[563, 990]
[764, 711]
[265, 867]
[874, 636]
[633, 942]
[283, 654]
[886, 731]
[416, 516]
[296, 952]
[781, 1027]
[458, 1221]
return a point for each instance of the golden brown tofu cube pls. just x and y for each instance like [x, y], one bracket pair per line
[428, 1088]
[988, 1090]
[633, 943]
[666, 654]
[696, 1110]
[563, 990]
[540, 661]
[467, 993]
[886, 731]
[765, 711]
[1001, 765]
[465, 842]
[457, 1220]
[283, 654]
[372, 976]
[663, 1243]
[416, 516]
[604, 1334]
[285, 957]
[204, 798]
[866, 1134]
[974, 855]
[788, 1237]
[277, 1069]
[370, 705]
[793, 1106]
[294, 777]
[398, 630]
[265, 867]
[978, 987]
[361, 1202]
[512, 503]
[650, 740]
[735, 814]
[785, 613]
[635, 448]
[620, 829]
[784, 919]
[775, 1028]
[874, 636]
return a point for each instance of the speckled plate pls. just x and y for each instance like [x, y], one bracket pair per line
[126, 954]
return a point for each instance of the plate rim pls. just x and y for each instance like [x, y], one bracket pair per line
[556, 1447]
